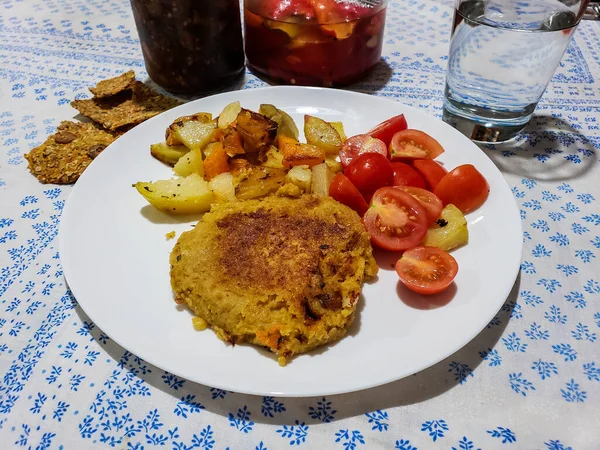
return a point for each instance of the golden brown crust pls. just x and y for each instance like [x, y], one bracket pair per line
[281, 273]
[63, 157]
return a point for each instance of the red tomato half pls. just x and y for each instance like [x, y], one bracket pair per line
[395, 220]
[432, 204]
[368, 172]
[359, 144]
[414, 144]
[430, 170]
[405, 175]
[386, 130]
[342, 190]
[464, 187]
[426, 270]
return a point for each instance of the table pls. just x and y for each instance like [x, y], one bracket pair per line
[530, 380]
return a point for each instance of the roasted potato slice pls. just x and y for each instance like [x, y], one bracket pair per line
[274, 158]
[260, 182]
[229, 114]
[189, 195]
[192, 131]
[297, 154]
[333, 164]
[322, 176]
[450, 231]
[339, 127]
[190, 163]
[286, 125]
[321, 134]
[257, 131]
[301, 176]
[223, 187]
[168, 154]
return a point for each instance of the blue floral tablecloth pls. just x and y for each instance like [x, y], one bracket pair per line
[530, 380]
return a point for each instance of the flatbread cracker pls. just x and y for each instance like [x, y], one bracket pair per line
[125, 108]
[63, 157]
[112, 86]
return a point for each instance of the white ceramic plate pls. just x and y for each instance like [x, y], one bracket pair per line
[116, 261]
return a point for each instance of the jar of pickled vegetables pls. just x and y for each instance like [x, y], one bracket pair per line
[190, 46]
[313, 42]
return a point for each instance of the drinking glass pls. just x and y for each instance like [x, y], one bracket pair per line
[502, 56]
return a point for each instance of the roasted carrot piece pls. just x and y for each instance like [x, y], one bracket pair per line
[297, 154]
[216, 162]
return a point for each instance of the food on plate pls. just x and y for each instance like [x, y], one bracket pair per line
[406, 175]
[191, 162]
[286, 125]
[257, 131]
[412, 206]
[432, 204]
[193, 131]
[322, 177]
[395, 220]
[464, 187]
[129, 107]
[322, 134]
[359, 144]
[259, 182]
[342, 190]
[63, 157]
[112, 86]
[186, 195]
[169, 154]
[386, 130]
[449, 230]
[170, 235]
[282, 273]
[431, 171]
[368, 172]
[414, 144]
[426, 270]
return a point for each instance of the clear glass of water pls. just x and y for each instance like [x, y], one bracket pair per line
[502, 56]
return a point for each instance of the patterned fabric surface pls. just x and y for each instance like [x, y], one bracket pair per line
[529, 380]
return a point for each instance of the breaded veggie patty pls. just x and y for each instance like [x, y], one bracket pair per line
[281, 273]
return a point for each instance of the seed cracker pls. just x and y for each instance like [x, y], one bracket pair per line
[63, 157]
[112, 86]
[126, 108]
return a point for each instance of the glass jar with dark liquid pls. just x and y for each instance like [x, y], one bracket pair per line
[190, 46]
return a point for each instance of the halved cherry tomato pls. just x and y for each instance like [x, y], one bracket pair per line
[342, 190]
[359, 144]
[430, 170]
[464, 187]
[405, 175]
[369, 172]
[426, 270]
[414, 144]
[386, 130]
[395, 220]
[432, 204]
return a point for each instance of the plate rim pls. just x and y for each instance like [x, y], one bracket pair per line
[62, 238]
